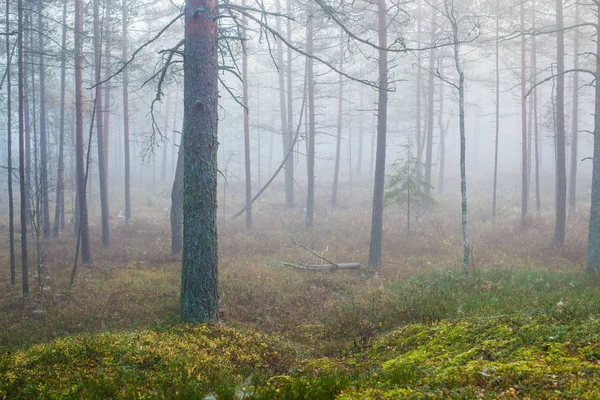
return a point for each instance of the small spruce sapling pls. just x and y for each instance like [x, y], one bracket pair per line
[406, 187]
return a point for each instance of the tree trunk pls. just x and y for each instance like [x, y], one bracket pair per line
[575, 117]
[442, 129]
[377, 216]
[461, 106]
[593, 253]
[24, 269]
[165, 142]
[524, 183]
[536, 127]
[359, 156]
[83, 229]
[338, 142]
[283, 112]
[44, 187]
[430, 102]
[247, 120]
[11, 206]
[125, 57]
[497, 136]
[60, 176]
[419, 92]
[310, 160]
[107, 65]
[199, 278]
[289, 166]
[561, 171]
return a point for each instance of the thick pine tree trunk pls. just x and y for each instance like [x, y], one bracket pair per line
[199, 278]
[377, 216]
[561, 171]
[60, 176]
[593, 254]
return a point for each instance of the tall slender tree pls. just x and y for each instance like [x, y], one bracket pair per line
[310, 157]
[247, 119]
[24, 266]
[561, 170]
[60, 176]
[497, 134]
[430, 101]
[524, 183]
[124, 57]
[375, 249]
[100, 133]
[43, 187]
[338, 142]
[83, 228]
[574, 117]
[11, 206]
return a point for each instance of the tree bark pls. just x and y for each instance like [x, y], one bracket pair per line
[375, 249]
[442, 129]
[561, 171]
[177, 203]
[497, 135]
[199, 278]
[536, 127]
[524, 183]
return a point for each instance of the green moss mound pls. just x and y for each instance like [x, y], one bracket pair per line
[181, 362]
[556, 355]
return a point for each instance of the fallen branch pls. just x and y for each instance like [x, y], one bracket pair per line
[331, 267]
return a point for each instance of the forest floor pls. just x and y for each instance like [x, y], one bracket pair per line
[524, 323]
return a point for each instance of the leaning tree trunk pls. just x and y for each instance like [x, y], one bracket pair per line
[60, 176]
[310, 158]
[338, 142]
[561, 171]
[377, 215]
[199, 278]
[11, 206]
[24, 210]
[124, 57]
[593, 254]
[83, 229]
[575, 119]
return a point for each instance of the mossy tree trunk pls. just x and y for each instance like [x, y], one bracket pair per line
[199, 298]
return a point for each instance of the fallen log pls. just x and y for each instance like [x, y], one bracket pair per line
[330, 267]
